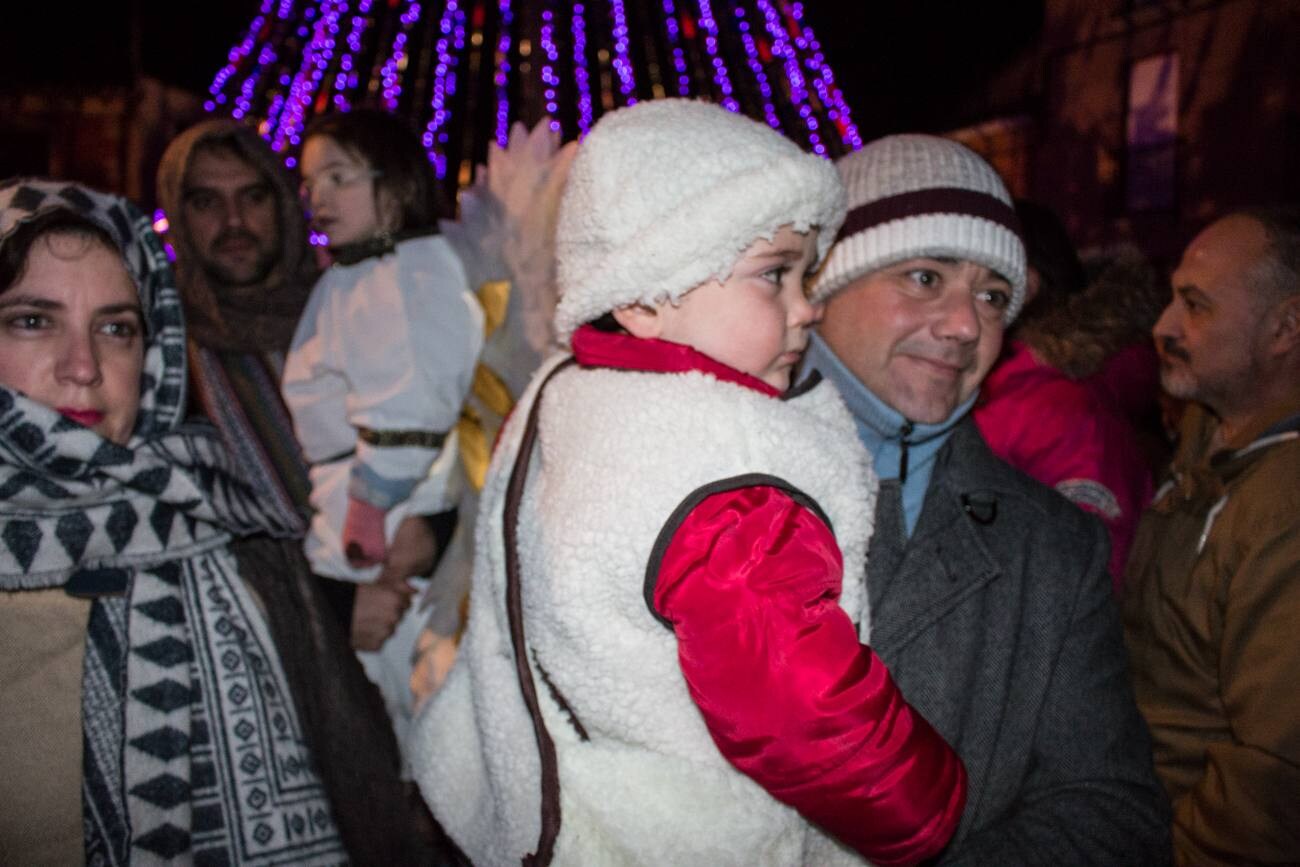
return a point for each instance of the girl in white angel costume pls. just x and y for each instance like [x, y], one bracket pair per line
[380, 365]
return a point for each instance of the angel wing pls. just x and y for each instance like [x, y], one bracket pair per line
[505, 238]
[506, 232]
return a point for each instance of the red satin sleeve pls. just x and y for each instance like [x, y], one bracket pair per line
[750, 582]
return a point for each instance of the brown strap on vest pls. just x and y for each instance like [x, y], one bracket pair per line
[424, 439]
[514, 610]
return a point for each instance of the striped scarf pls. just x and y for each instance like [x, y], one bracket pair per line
[240, 393]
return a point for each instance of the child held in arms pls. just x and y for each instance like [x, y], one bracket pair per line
[665, 660]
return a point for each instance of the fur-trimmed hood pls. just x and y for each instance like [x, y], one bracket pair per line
[1118, 309]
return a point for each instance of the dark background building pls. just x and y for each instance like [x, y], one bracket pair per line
[1140, 121]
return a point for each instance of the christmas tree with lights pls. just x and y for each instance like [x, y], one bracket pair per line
[464, 71]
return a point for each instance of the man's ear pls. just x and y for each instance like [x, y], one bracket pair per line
[1286, 323]
[640, 320]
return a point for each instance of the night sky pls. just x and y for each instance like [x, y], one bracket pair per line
[902, 64]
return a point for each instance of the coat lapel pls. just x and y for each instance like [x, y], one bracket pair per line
[888, 540]
[946, 560]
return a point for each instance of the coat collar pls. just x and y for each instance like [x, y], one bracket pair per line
[1202, 476]
[1268, 423]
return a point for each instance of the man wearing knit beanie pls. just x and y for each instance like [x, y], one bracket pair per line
[990, 592]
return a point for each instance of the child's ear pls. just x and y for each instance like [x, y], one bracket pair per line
[640, 320]
[388, 209]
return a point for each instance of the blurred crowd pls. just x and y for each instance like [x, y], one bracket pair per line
[682, 499]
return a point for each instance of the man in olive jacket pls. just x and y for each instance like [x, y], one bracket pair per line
[1212, 607]
[991, 602]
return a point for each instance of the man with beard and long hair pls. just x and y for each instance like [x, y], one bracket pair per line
[245, 269]
[1213, 595]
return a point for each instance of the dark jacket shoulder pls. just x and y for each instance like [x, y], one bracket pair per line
[967, 464]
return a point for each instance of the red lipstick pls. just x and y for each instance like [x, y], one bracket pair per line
[83, 417]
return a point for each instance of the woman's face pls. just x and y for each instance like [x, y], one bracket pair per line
[72, 334]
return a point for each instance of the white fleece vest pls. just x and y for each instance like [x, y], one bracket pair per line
[617, 452]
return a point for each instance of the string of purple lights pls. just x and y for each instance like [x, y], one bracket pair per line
[673, 30]
[783, 48]
[501, 78]
[465, 70]
[720, 76]
[347, 78]
[581, 73]
[622, 55]
[824, 79]
[451, 41]
[390, 73]
[550, 80]
[754, 60]
[315, 58]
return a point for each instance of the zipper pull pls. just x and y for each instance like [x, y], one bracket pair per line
[903, 433]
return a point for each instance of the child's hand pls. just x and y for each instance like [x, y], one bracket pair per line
[412, 552]
[376, 612]
[434, 655]
[363, 534]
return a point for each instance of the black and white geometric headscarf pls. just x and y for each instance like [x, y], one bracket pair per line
[193, 749]
[162, 389]
[73, 500]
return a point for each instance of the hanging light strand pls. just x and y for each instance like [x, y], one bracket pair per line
[673, 31]
[315, 59]
[216, 90]
[501, 78]
[550, 81]
[756, 67]
[347, 78]
[720, 76]
[622, 58]
[333, 14]
[581, 73]
[824, 81]
[782, 48]
[451, 39]
[390, 74]
[248, 90]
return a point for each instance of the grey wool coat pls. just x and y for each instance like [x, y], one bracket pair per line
[996, 619]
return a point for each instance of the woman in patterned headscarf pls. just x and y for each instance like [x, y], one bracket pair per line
[146, 713]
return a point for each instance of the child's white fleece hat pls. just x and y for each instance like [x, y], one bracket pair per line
[665, 195]
[920, 196]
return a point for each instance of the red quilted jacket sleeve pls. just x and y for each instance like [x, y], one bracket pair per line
[750, 582]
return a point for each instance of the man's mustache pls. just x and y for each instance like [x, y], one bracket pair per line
[1171, 348]
[239, 235]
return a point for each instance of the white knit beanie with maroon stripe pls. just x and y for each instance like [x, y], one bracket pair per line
[664, 196]
[913, 196]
